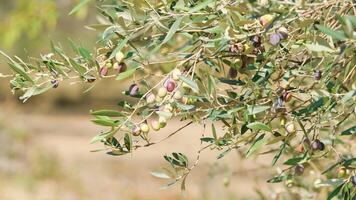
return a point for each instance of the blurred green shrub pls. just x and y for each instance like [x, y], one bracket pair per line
[27, 19]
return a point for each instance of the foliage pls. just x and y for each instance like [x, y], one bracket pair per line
[29, 17]
[278, 75]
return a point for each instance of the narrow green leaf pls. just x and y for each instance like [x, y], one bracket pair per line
[161, 175]
[319, 48]
[172, 30]
[79, 6]
[128, 142]
[190, 83]
[214, 131]
[338, 35]
[109, 113]
[349, 131]
[126, 74]
[16, 67]
[252, 109]
[101, 136]
[119, 46]
[335, 192]
[259, 126]
[329, 182]
[278, 179]
[257, 144]
[200, 6]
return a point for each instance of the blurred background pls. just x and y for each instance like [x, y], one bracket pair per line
[44, 143]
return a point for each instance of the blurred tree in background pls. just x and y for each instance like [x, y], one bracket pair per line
[26, 18]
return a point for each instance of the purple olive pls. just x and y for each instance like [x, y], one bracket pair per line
[133, 89]
[317, 145]
[120, 67]
[353, 180]
[170, 85]
[232, 72]
[104, 71]
[54, 83]
[317, 74]
[274, 39]
[299, 169]
[283, 33]
[256, 40]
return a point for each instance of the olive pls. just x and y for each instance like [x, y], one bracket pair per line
[144, 128]
[286, 96]
[136, 131]
[299, 169]
[267, 19]
[175, 74]
[171, 85]
[155, 125]
[133, 89]
[119, 56]
[274, 39]
[232, 72]
[317, 74]
[120, 67]
[150, 98]
[353, 180]
[104, 71]
[162, 92]
[317, 145]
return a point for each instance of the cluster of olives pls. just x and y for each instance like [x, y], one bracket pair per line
[116, 63]
[160, 99]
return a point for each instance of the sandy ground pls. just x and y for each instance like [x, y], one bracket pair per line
[81, 174]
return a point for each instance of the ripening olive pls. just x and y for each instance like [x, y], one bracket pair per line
[103, 71]
[108, 65]
[144, 128]
[158, 99]
[175, 74]
[341, 172]
[290, 127]
[162, 121]
[150, 98]
[177, 95]
[136, 131]
[155, 125]
[168, 108]
[119, 56]
[162, 92]
[289, 183]
[287, 96]
[267, 19]
[299, 148]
